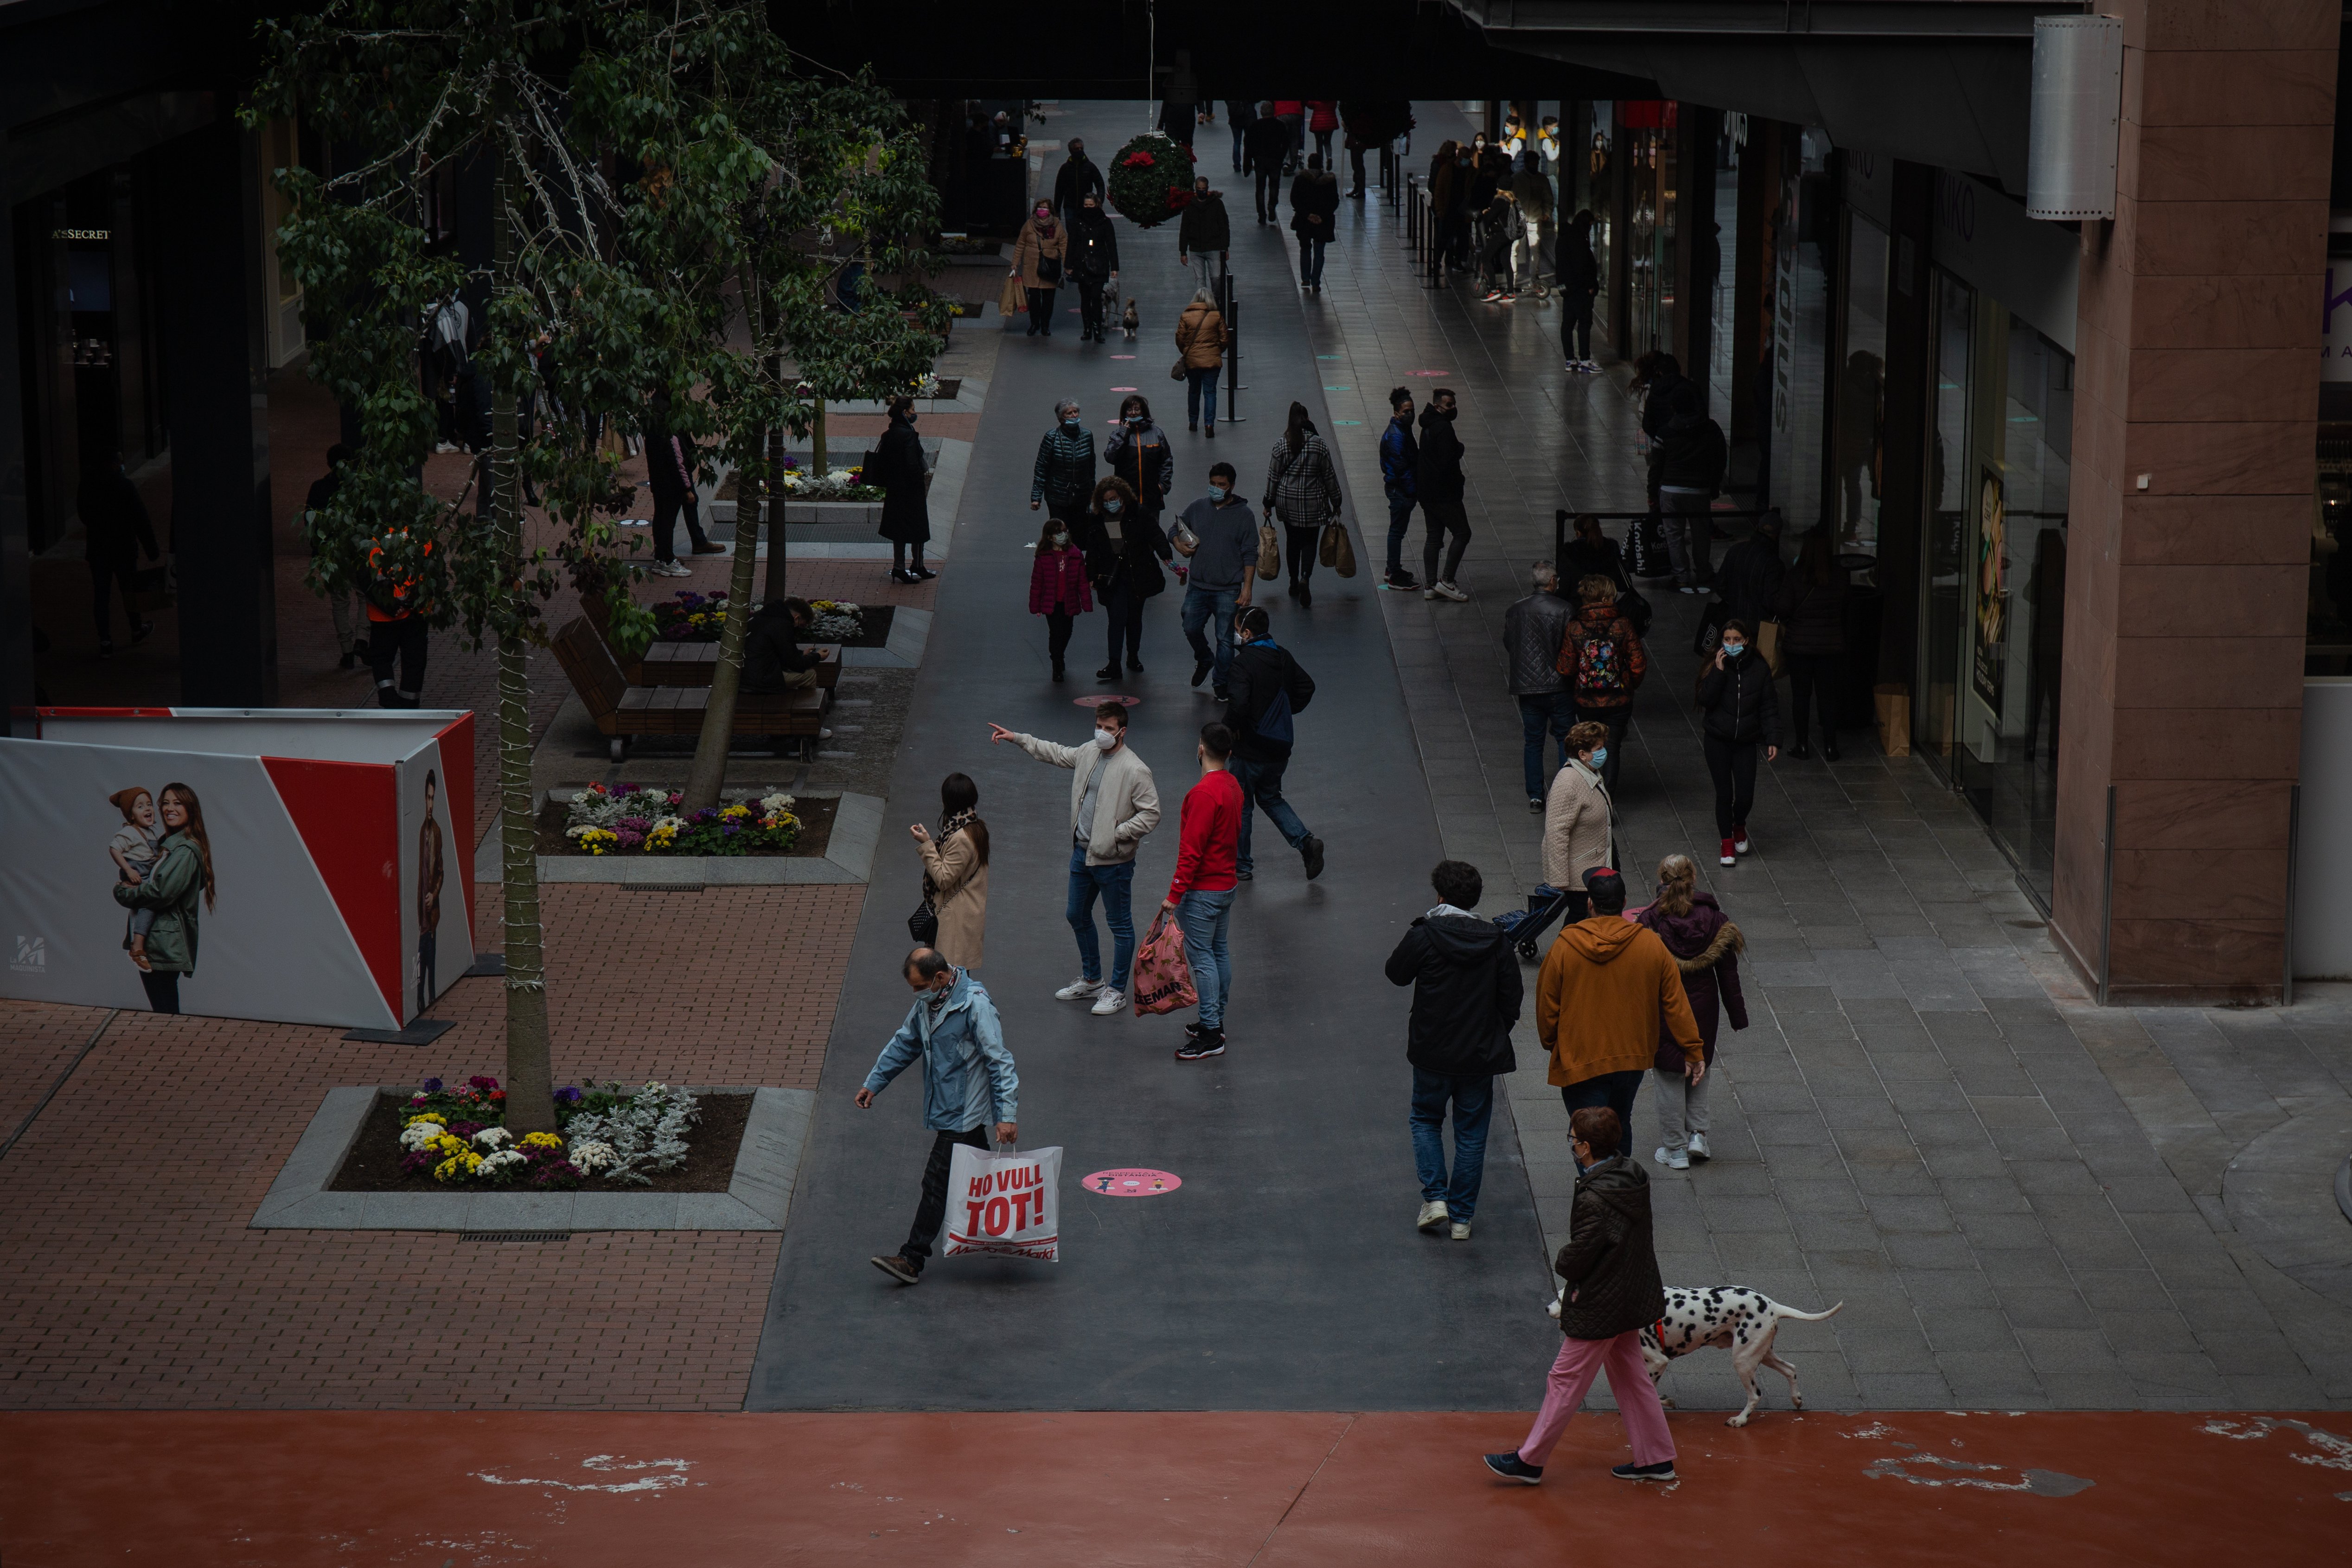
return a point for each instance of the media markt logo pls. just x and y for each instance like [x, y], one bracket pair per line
[32, 955]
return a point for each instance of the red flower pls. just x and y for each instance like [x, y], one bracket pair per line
[498, 1094]
[1177, 200]
[1139, 158]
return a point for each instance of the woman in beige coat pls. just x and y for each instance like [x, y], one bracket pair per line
[1043, 242]
[1576, 833]
[955, 871]
[1200, 339]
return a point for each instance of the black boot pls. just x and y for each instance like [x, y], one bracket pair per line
[1058, 670]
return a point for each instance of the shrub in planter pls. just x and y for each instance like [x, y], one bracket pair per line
[603, 821]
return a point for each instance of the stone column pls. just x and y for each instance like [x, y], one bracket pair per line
[2194, 422]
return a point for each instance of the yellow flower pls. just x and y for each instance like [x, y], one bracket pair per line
[433, 1116]
[541, 1140]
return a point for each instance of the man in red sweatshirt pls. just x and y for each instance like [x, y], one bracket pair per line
[1202, 894]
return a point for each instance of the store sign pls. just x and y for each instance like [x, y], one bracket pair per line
[2336, 318]
[81, 234]
[1984, 238]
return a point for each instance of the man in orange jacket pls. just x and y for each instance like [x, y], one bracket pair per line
[1608, 991]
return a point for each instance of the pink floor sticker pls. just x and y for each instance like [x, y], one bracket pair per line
[1428, 372]
[1122, 356]
[1132, 1184]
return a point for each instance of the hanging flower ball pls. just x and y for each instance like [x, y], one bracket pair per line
[1150, 179]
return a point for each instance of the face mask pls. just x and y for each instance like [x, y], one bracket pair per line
[1106, 739]
[1057, 539]
[1734, 650]
[1136, 420]
[1114, 507]
[1071, 424]
[1221, 491]
[1600, 755]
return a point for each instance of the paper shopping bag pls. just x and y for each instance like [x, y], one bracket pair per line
[1007, 1203]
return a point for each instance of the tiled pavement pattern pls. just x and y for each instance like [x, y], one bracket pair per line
[2017, 1196]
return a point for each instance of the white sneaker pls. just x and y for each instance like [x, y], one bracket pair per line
[1078, 990]
[1430, 592]
[1699, 1149]
[1447, 590]
[1111, 1001]
[1675, 1159]
[669, 569]
[1433, 1215]
[1461, 1230]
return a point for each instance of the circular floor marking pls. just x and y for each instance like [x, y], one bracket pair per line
[1428, 372]
[1123, 701]
[1122, 356]
[1124, 389]
[1137, 1183]
[1339, 389]
[1326, 356]
[1347, 422]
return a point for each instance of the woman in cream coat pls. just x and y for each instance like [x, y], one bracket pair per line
[1576, 833]
[955, 871]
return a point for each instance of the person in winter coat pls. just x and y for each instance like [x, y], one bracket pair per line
[1592, 553]
[1577, 835]
[1064, 479]
[1264, 690]
[1094, 263]
[1467, 995]
[1113, 806]
[1810, 609]
[1291, 114]
[1749, 579]
[1058, 589]
[1039, 256]
[1314, 217]
[1077, 178]
[183, 870]
[1123, 547]
[1498, 229]
[955, 871]
[1656, 374]
[115, 529]
[1706, 947]
[1201, 343]
[1138, 454]
[900, 469]
[1302, 490]
[1691, 457]
[1739, 712]
[968, 1080]
[1240, 115]
[1201, 893]
[1609, 1291]
[1322, 120]
[1579, 290]
[1266, 148]
[1204, 231]
[1533, 631]
[1531, 191]
[1606, 988]
[1438, 484]
[1400, 463]
[1605, 663]
[1449, 202]
[773, 659]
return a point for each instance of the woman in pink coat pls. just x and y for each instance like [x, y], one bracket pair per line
[1322, 119]
[1057, 587]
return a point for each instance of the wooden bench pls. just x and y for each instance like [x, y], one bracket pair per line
[691, 664]
[622, 710]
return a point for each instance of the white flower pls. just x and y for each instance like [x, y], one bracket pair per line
[674, 824]
[418, 1134]
[772, 804]
[493, 1138]
[502, 1159]
[590, 1156]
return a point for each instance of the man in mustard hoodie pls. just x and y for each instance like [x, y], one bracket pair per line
[1608, 989]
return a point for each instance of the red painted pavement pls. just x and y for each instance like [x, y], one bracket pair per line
[298, 1489]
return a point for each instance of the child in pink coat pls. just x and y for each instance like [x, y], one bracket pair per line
[1057, 587]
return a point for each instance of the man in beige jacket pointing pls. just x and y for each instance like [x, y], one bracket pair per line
[1113, 803]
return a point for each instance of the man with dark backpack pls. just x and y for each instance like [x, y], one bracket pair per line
[1265, 689]
[1604, 662]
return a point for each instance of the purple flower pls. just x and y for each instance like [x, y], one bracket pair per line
[731, 827]
[568, 1094]
[432, 1085]
[628, 839]
[466, 1129]
[478, 1081]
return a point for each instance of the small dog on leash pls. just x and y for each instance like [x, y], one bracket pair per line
[1724, 1317]
[1129, 321]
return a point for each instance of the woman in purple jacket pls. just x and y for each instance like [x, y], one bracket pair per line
[1706, 947]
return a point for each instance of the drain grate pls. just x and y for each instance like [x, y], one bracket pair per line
[518, 1235]
[666, 886]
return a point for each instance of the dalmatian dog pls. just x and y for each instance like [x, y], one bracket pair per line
[1724, 1317]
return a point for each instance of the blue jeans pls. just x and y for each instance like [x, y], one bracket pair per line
[1473, 1095]
[1615, 1089]
[1115, 883]
[1310, 258]
[1237, 147]
[1203, 918]
[1553, 710]
[1200, 605]
[1200, 395]
[1399, 522]
[1261, 784]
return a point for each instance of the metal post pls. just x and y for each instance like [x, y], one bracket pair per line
[2294, 838]
[1232, 357]
[2107, 904]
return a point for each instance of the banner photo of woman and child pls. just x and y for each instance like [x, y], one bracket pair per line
[297, 867]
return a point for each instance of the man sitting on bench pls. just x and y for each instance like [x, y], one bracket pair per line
[773, 659]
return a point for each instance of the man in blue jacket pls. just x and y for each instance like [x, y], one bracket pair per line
[1399, 455]
[968, 1080]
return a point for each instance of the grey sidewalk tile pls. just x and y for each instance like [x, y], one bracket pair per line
[1949, 1288]
[1869, 1350]
[1910, 1390]
[1817, 1196]
[2254, 1354]
[1907, 1178]
[1917, 1214]
[1967, 1161]
[1877, 1146]
[1834, 1233]
[2045, 1306]
[1959, 1329]
[1729, 1214]
[1853, 1270]
[1929, 1251]
[1750, 1253]
[2030, 1265]
[1980, 1377]
[2054, 1178]
[2161, 1373]
[2115, 1390]
[1916, 1066]
[2154, 1330]
[1859, 1110]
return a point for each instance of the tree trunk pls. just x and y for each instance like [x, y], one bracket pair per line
[708, 775]
[817, 443]
[531, 1105]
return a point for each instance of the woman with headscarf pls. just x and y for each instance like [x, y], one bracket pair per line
[899, 467]
[1302, 488]
[1037, 260]
[183, 868]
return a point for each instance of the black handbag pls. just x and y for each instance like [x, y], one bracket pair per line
[923, 925]
[1710, 629]
[1049, 270]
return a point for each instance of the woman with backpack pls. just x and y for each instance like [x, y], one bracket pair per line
[1603, 656]
[1739, 711]
[1302, 488]
[1706, 948]
[1811, 612]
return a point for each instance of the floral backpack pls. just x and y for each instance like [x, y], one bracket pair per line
[1601, 664]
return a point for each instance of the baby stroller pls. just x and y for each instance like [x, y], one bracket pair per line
[1523, 927]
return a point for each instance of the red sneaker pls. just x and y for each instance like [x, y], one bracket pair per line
[1730, 853]
[1739, 836]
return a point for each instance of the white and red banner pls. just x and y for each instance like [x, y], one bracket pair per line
[1008, 1204]
[338, 848]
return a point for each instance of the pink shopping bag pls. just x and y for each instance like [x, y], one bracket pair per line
[1163, 981]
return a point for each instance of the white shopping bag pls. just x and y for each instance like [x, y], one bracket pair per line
[1008, 1204]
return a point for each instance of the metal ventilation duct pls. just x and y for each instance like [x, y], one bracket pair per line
[2078, 86]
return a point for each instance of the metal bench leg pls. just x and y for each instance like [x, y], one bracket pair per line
[620, 748]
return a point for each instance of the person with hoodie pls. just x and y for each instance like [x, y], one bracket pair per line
[1748, 578]
[1438, 485]
[1609, 1291]
[1691, 458]
[1400, 459]
[1302, 492]
[1077, 178]
[1314, 217]
[1200, 894]
[1038, 257]
[1264, 690]
[1606, 990]
[1579, 290]
[1265, 147]
[1577, 835]
[1094, 263]
[1605, 663]
[1498, 226]
[1706, 948]
[1124, 548]
[1064, 479]
[968, 1080]
[1467, 995]
[1533, 630]
[1449, 202]
[1739, 712]
[1201, 347]
[1204, 231]
[1811, 608]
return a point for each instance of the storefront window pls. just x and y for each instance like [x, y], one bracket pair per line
[1861, 403]
[1801, 335]
[1595, 172]
[1652, 152]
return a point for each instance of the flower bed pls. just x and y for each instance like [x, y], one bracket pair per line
[457, 1136]
[601, 821]
[840, 484]
[1151, 179]
[689, 616]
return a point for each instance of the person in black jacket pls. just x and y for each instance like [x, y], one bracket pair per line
[1093, 262]
[114, 530]
[773, 659]
[1204, 231]
[1811, 612]
[1437, 485]
[1265, 145]
[1579, 287]
[1740, 710]
[1138, 454]
[1124, 548]
[1077, 179]
[1611, 1291]
[1264, 691]
[1691, 457]
[898, 468]
[1314, 217]
[1466, 992]
[1749, 579]
[1592, 553]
